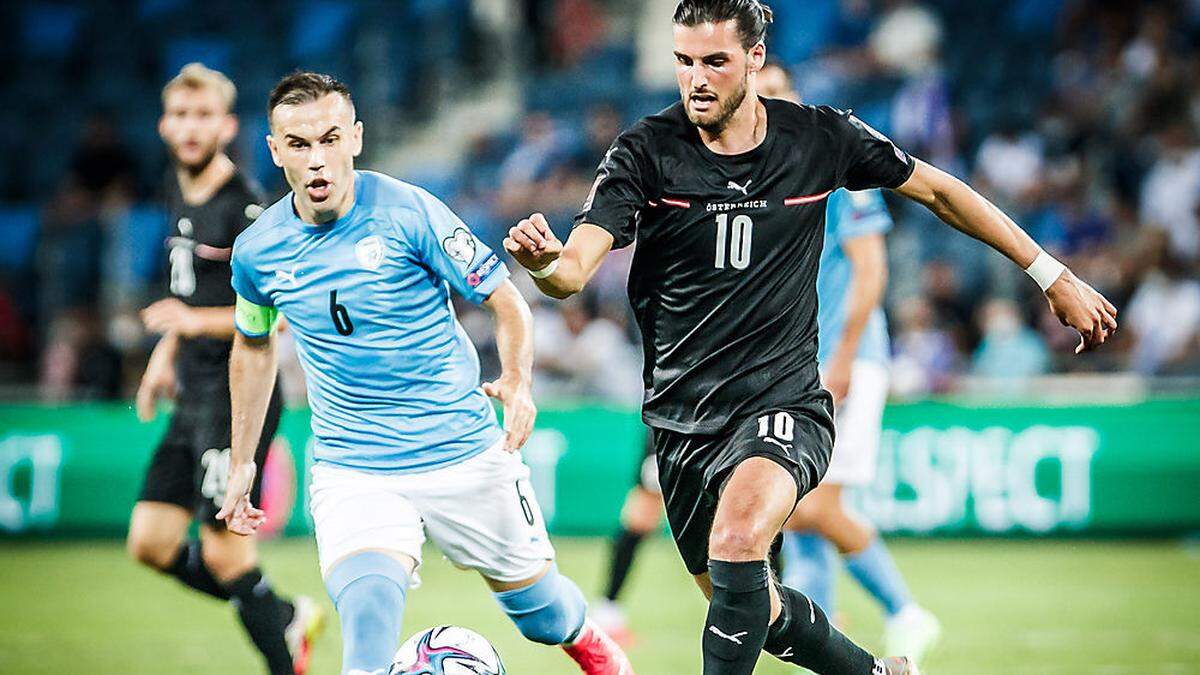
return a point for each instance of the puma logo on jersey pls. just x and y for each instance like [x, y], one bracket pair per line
[736, 638]
[786, 447]
[287, 276]
[740, 188]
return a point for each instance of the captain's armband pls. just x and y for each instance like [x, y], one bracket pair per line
[253, 320]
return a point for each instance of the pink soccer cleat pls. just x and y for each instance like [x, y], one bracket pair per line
[597, 653]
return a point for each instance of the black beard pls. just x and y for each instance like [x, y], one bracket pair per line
[727, 109]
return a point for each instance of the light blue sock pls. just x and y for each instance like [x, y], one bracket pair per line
[368, 589]
[551, 611]
[808, 566]
[876, 571]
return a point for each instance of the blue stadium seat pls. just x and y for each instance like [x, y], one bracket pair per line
[18, 230]
[145, 229]
[320, 27]
[50, 30]
[215, 53]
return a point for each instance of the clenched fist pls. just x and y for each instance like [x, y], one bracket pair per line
[532, 243]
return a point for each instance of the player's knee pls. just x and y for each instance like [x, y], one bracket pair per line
[551, 611]
[150, 552]
[369, 590]
[740, 539]
[227, 563]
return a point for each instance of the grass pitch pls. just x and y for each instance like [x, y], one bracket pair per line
[1007, 607]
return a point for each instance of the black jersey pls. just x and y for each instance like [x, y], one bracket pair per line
[723, 283]
[198, 253]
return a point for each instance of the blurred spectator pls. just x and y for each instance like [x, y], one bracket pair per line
[1009, 350]
[1164, 315]
[102, 166]
[1171, 191]
[583, 355]
[1009, 165]
[925, 357]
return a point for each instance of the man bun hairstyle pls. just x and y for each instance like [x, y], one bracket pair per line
[305, 86]
[752, 17]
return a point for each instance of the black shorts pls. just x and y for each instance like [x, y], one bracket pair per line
[693, 468]
[191, 465]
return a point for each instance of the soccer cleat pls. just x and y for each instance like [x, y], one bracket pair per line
[307, 623]
[609, 617]
[911, 632]
[597, 653]
[897, 665]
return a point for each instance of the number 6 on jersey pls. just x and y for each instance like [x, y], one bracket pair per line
[340, 315]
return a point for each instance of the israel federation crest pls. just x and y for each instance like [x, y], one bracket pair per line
[369, 251]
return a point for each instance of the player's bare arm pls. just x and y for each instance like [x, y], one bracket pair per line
[558, 270]
[172, 315]
[159, 379]
[252, 368]
[1075, 303]
[514, 341]
[868, 261]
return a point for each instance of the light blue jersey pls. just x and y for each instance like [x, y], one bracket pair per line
[393, 380]
[848, 215]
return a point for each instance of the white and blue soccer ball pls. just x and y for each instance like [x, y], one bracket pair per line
[447, 650]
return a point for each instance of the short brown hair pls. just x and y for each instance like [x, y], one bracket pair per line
[200, 76]
[303, 87]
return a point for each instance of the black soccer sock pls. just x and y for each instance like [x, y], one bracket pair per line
[262, 613]
[624, 546]
[189, 568]
[738, 614]
[803, 635]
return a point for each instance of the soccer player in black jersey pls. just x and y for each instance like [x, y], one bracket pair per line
[210, 203]
[724, 194]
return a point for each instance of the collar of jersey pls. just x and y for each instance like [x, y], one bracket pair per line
[752, 152]
[325, 227]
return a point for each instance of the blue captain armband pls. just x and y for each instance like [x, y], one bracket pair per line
[254, 320]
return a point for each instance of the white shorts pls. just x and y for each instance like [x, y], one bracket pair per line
[481, 513]
[859, 420]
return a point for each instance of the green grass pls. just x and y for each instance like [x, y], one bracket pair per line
[1007, 607]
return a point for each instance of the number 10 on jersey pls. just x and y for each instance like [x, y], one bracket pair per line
[733, 241]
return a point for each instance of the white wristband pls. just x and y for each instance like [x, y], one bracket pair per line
[545, 271]
[1045, 270]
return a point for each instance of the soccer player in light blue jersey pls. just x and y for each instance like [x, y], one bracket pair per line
[407, 444]
[853, 353]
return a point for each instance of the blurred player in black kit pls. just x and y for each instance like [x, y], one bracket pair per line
[210, 203]
[725, 195]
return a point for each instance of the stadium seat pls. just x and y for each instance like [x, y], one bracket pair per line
[18, 230]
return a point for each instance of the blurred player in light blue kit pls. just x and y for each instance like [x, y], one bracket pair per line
[853, 354]
[407, 444]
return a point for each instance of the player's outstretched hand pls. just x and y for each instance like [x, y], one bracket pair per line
[170, 315]
[239, 514]
[519, 411]
[1079, 306]
[532, 243]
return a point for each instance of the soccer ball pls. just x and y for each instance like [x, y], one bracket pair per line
[447, 650]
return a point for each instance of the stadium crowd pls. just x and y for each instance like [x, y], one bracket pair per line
[1093, 148]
